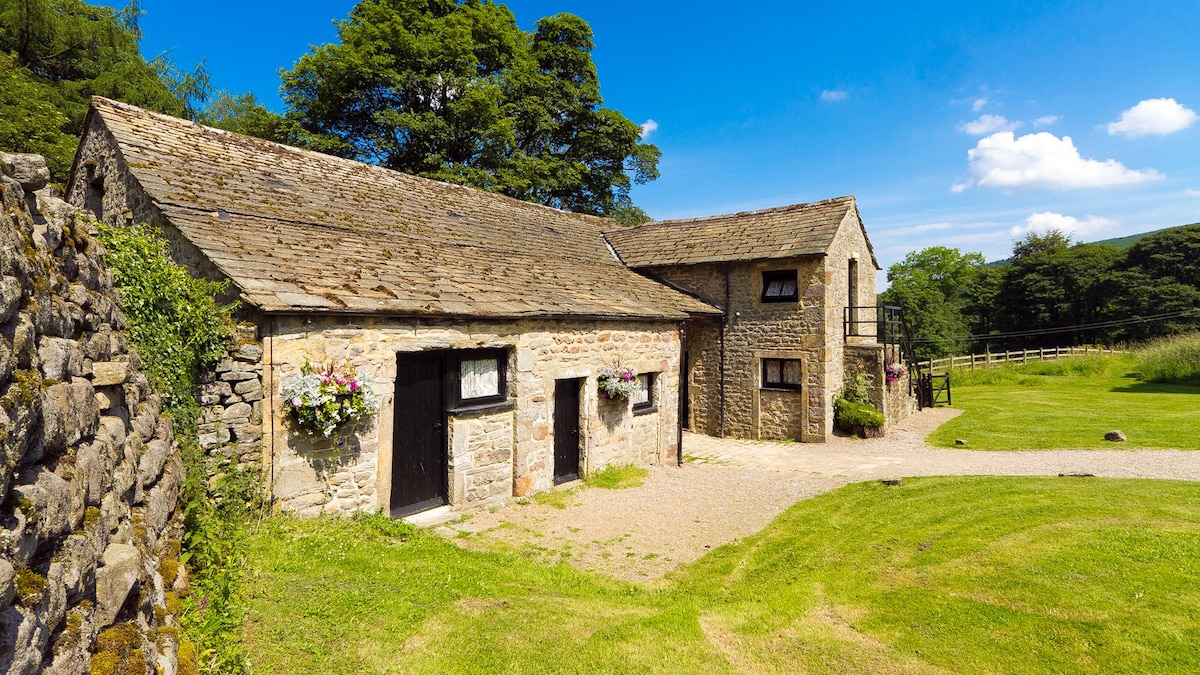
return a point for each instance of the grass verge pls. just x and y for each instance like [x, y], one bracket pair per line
[1172, 360]
[939, 574]
[617, 477]
[1069, 404]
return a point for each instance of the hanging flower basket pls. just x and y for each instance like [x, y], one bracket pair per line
[617, 383]
[895, 371]
[319, 402]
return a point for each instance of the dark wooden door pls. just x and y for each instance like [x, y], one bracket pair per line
[685, 403]
[566, 430]
[419, 479]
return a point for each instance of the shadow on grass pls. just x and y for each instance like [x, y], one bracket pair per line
[1157, 388]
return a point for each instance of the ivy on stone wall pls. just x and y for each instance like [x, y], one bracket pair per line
[175, 322]
[179, 330]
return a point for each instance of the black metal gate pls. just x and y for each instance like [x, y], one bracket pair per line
[933, 389]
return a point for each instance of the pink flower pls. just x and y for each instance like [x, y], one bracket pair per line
[296, 402]
[353, 385]
[324, 379]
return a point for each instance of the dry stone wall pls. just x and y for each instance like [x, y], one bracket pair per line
[231, 400]
[89, 473]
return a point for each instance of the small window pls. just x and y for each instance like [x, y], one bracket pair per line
[781, 374]
[643, 395]
[480, 378]
[780, 286]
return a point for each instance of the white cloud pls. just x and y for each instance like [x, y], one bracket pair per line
[648, 127]
[1042, 160]
[1154, 116]
[978, 104]
[834, 95]
[988, 124]
[1192, 193]
[1046, 120]
[1048, 220]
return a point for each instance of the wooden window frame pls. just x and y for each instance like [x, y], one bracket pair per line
[781, 385]
[651, 404]
[456, 403]
[774, 276]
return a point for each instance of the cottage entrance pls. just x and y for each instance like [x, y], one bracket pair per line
[566, 430]
[419, 478]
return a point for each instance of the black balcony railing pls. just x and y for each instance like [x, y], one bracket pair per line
[886, 326]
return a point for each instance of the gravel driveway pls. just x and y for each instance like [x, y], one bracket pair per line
[730, 488]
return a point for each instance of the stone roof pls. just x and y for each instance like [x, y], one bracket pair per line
[301, 231]
[783, 232]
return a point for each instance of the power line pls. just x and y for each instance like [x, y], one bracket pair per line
[1114, 323]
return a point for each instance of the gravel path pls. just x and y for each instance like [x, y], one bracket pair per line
[734, 488]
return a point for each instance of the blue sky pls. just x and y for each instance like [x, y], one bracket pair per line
[956, 124]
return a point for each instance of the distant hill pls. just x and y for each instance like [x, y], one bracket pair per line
[1119, 242]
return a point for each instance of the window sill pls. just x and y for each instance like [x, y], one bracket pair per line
[790, 390]
[645, 411]
[481, 408]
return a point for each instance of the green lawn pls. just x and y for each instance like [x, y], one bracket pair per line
[1016, 408]
[970, 575]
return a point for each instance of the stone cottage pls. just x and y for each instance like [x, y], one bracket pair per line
[797, 288]
[482, 322]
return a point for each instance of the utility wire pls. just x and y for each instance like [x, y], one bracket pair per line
[1153, 318]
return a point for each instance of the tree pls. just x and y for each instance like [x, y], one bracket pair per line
[932, 286]
[1161, 274]
[454, 90]
[57, 54]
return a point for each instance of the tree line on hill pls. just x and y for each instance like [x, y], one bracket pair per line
[447, 89]
[1052, 292]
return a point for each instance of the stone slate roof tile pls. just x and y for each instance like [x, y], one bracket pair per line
[300, 231]
[783, 232]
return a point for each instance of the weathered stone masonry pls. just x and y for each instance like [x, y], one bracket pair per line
[90, 476]
[493, 456]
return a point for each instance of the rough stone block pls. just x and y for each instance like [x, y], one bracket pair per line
[10, 297]
[150, 464]
[70, 413]
[115, 580]
[7, 589]
[27, 169]
[106, 373]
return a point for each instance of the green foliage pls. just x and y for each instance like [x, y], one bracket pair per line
[964, 574]
[179, 329]
[56, 54]
[559, 499]
[616, 477]
[932, 286]
[175, 322]
[851, 414]
[1007, 409]
[858, 389]
[1171, 360]
[457, 92]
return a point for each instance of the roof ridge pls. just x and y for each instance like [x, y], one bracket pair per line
[739, 214]
[600, 221]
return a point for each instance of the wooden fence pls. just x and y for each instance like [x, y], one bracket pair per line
[973, 361]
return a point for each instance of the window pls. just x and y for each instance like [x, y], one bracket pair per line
[479, 378]
[643, 395]
[781, 374]
[780, 286]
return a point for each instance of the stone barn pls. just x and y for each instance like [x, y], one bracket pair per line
[482, 322]
[797, 288]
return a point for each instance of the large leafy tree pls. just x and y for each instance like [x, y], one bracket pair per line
[933, 287]
[56, 54]
[456, 91]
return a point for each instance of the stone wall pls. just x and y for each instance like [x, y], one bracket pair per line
[752, 331]
[494, 456]
[231, 426]
[891, 398]
[90, 476]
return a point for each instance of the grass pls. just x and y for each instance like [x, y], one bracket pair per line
[1171, 360]
[1069, 403]
[617, 477]
[940, 574]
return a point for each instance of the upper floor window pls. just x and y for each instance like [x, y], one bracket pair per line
[780, 286]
